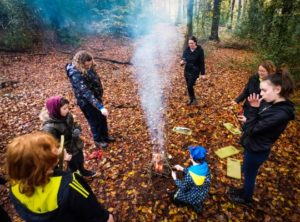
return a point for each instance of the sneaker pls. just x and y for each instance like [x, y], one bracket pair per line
[240, 199]
[235, 191]
[110, 139]
[101, 144]
[88, 173]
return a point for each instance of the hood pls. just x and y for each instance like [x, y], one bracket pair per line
[53, 106]
[70, 69]
[286, 106]
[198, 173]
[44, 115]
[44, 198]
[45, 118]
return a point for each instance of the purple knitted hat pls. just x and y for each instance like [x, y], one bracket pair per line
[53, 106]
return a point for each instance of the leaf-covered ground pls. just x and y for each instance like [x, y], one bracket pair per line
[124, 185]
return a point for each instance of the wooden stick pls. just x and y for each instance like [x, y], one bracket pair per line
[61, 150]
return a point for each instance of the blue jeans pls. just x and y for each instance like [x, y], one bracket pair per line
[97, 122]
[252, 163]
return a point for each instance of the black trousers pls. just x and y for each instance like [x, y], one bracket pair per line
[190, 82]
[76, 163]
[97, 122]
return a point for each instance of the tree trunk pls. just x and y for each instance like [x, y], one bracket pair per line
[215, 21]
[239, 10]
[245, 5]
[231, 14]
[190, 10]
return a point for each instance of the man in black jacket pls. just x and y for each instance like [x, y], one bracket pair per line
[193, 58]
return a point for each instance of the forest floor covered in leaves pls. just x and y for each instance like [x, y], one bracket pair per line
[124, 184]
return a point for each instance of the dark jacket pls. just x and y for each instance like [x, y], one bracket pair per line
[252, 86]
[67, 197]
[87, 87]
[194, 61]
[194, 187]
[265, 124]
[66, 127]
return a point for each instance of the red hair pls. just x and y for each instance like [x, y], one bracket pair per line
[30, 159]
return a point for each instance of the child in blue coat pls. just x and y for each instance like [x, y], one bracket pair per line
[194, 187]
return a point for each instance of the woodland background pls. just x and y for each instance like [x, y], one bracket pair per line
[38, 37]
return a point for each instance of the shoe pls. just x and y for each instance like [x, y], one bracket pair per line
[198, 209]
[177, 203]
[101, 144]
[192, 102]
[88, 173]
[110, 139]
[235, 191]
[240, 199]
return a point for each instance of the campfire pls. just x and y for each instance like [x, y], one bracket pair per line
[160, 165]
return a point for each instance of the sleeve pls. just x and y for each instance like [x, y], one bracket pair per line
[202, 62]
[81, 88]
[83, 202]
[184, 54]
[254, 125]
[244, 94]
[186, 183]
[48, 129]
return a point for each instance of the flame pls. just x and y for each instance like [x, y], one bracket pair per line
[158, 162]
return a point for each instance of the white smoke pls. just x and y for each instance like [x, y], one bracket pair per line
[154, 56]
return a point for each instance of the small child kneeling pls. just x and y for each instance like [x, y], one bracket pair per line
[194, 187]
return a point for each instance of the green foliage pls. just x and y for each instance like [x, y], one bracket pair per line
[275, 28]
[17, 25]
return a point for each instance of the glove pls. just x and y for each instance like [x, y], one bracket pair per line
[76, 132]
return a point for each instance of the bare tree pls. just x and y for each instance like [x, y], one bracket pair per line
[216, 20]
[239, 10]
[231, 14]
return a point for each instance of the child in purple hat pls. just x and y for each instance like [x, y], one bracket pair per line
[57, 120]
[194, 187]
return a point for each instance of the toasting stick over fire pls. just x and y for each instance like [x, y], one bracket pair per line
[61, 152]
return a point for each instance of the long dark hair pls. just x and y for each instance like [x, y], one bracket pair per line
[193, 38]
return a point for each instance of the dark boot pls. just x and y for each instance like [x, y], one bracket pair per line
[101, 144]
[109, 139]
[240, 199]
[235, 191]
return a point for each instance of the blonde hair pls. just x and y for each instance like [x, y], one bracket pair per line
[80, 58]
[30, 159]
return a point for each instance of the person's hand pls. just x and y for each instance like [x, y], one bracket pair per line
[110, 218]
[76, 132]
[67, 156]
[254, 100]
[182, 62]
[173, 173]
[178, 167]
[242, 118]
[104, 112]
[203, 77]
